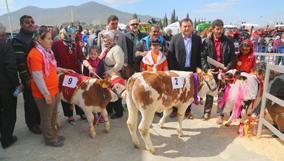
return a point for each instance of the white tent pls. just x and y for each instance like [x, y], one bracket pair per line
[174, 27]
[230, 27]
[121, 26]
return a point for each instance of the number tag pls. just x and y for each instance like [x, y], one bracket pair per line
[70, 81]
[177, 82]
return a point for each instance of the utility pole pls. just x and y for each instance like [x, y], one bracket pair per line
[9, 18]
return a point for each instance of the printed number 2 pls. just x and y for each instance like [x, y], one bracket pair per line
[70, 80]
[176, 81]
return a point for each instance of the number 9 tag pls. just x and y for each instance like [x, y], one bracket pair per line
[70, 81]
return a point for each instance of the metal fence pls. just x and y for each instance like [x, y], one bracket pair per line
[267, 95]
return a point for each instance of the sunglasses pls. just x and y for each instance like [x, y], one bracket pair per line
[134, 24]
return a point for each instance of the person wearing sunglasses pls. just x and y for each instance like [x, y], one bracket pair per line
[133, 37]
[246, 60]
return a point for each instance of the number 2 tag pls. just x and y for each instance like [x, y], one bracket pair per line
[70, 81]
[177, 82]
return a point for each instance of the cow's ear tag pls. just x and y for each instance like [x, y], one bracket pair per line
[105, 85]
[198, 70]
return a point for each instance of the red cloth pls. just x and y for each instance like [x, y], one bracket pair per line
[95, 64]
[68, 92]
[68, 60]
[217, 43]
[245, 63]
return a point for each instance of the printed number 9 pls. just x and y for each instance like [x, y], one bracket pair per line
[70, 80]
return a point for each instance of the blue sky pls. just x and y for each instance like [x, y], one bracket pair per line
[231, 11]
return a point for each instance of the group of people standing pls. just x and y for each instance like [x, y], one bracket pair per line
[37, 57]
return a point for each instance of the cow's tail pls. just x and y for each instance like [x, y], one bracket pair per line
[123, 97]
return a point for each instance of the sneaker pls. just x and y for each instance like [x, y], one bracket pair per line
[57, 143]
[205, 117]
[173, 114]
[71, 120]
[116, 116]
[83, 117]
[159, 114]
[35, 129]
[188, 115]
[60, 137]
[14, 139]
[219, 120]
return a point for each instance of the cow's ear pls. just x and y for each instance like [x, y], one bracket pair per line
[199, 71]
[103, 83]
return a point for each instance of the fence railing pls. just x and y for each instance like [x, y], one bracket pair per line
[266, 95]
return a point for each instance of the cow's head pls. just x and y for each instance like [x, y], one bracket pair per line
[117, 84]
[106, 84]
[208, 84]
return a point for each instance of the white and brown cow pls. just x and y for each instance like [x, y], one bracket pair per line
[149, 92]
[91, 94]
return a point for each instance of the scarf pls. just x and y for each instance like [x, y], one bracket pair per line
[48, 58]
[148, 60]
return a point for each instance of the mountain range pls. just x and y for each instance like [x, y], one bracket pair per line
[90, 13]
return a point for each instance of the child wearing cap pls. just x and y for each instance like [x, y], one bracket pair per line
[155, 60]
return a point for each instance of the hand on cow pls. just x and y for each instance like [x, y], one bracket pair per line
[48, 99]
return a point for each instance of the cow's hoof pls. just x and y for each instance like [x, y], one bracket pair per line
[161, 125]
[152, 151]
[179, 132]
[107, 128]
[136, 146]
[93, 135]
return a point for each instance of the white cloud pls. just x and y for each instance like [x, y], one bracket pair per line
[216, 7]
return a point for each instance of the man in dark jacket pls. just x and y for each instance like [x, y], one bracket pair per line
[8, 83]
[221, 49]
[185, 52]
[133, 38]
[21, 47]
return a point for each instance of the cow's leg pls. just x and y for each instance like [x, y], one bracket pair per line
[144, 127]
[166, 114]
[105, 116]
[90, 117]
[181, 112]
[132, 122]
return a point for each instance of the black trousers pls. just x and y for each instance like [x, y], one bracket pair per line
[32, 115]
[68, 111]
[8, 104]
[115, 108]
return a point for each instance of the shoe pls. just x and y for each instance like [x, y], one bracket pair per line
[205, 117]
[14, 139]
[57, 143]
[188, 115]
[115, 116]
[71, 120]
[83, 117]
[173, 114]
[60, 137]
[35, 129]
[159, 114]
[219, 120]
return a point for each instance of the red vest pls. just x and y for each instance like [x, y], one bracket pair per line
[71, 83]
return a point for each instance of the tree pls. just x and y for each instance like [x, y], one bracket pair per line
[161, 24]
[173, 16]
[187, 15]
[135, 16]
[165, 21]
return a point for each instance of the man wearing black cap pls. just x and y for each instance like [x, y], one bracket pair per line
[185, 53]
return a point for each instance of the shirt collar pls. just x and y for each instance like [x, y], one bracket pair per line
[186, 38]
